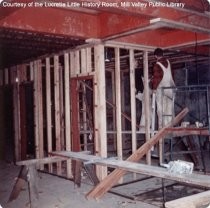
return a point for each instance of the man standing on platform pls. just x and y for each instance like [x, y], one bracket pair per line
[162, 77]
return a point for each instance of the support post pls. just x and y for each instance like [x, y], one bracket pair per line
[67, 110]
[83, 61]
[77, 62]
[31, 71]
[147, 103]
[133, 100]
[38, 110]
[40, 116]
[16, 114]
[88, 59]
[118, 104]
[61, 106]
[100, 109]
[48, 110]
[57, 110]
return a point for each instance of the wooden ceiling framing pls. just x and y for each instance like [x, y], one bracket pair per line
[27, 33]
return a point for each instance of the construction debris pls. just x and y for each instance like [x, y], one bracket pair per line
[180, 167]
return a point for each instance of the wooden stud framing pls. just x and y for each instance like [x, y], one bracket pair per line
[48, 109]
[88, 59]
[100, 110]
[80, 64]
[61, 103]
[77, 62]
[57, 109]
[75, 115]
[114, 176]
[114, 112]
[31, 71]
[21, 70]
[72, 64]
[83, 61]
[16, 115]
[133, 100]
[38, 110]
[18, 78]
[40, 107]
[84, 115]
[23, 133]
[23, 74]
[146, 103]
[118, 104]
[86, 67]
[67, 110]
[123, 98]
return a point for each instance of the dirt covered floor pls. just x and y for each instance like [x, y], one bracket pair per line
[57, 192]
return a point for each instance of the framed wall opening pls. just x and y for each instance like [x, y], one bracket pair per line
[82, 114]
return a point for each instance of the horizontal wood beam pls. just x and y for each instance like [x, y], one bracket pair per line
[115, 176]
[81, 156]
[180, 131]
[193, 179]
[42, 161]
[193, 201]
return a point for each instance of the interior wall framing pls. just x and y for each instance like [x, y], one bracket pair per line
[51, 78]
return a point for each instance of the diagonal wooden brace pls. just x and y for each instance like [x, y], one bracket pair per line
[108, 182]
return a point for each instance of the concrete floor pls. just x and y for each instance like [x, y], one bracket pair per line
[56, 192]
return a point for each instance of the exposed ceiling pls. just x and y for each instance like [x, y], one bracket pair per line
[19, 45]
[29, 32]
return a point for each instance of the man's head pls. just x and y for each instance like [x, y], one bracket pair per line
[158, 53]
